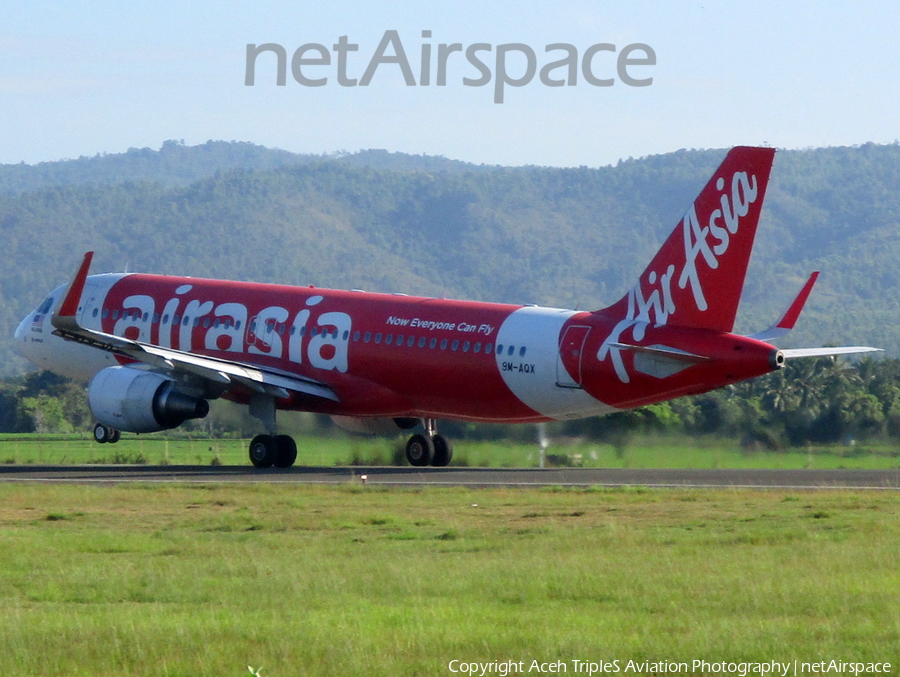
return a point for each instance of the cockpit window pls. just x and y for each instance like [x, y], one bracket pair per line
[44, 308]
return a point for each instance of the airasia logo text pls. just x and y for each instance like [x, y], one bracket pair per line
[708, 242]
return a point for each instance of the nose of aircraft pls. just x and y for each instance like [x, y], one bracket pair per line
[21, 335]
[21, 330]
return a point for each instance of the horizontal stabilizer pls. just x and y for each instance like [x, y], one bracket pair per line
[790, 353]
[663, 351]
[660, 361]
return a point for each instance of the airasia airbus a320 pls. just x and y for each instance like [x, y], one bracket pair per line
[155, 349]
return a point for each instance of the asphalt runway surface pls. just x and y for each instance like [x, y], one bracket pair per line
[469, 477]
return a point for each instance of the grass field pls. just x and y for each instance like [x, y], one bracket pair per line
[648, 452]
[353, 580]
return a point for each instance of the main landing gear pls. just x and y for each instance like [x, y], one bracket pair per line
[269, 450]
[103, 434]
[429, 448]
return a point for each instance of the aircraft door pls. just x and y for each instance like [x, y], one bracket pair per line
[88, 313]
[256, 332]
[571, 351]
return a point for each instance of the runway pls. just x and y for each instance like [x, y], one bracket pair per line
[467, 477]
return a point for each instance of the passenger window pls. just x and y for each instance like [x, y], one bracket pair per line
[454, 346]
[522, 351]
[444, 344]
[389, 339]
[356, 336]
[346, 334]
[465, 346]
[410, 341]
[105, 313]
[367, 337]
[488, 348]
[206, 323]
[378, 338]
[511, 350]
[115, 314]
[478, 346]
[422, 342]
[432, 343]
[500, 348]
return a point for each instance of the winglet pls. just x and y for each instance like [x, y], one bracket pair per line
[789, 319]
[64, 315]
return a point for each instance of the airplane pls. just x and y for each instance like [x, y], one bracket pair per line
[154, 350]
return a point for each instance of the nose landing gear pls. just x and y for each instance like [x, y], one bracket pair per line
[429, 448]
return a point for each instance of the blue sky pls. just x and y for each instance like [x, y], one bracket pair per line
[95, 77]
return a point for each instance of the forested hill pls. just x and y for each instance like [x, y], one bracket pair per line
[175, 164]
[422, 225]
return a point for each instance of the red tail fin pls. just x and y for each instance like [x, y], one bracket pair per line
[696, 278]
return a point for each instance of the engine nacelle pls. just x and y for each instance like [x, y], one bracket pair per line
[140, 401]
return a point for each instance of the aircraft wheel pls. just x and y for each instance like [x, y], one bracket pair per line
[263, 451]
[443, 451]
[114, 436]
[102, 433]
[285, 451]
[419, 450]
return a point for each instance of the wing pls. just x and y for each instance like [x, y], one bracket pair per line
[220, 374]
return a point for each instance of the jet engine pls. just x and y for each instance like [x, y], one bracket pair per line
[141, 401]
